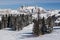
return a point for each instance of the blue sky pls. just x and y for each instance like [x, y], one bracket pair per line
[14, 4]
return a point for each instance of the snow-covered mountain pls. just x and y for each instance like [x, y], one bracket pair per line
[31, 10]
[28, 9]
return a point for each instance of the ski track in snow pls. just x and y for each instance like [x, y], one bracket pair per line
[26, 34]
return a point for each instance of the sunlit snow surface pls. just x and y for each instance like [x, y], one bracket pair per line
[26, 34]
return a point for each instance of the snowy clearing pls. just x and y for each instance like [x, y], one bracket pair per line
[26, 34]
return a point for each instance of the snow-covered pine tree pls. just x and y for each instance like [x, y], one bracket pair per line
[43, 28]
[2, 21]
[36, 28]
[0, 24]
[6, 20]
[50, 24]
[59, 24]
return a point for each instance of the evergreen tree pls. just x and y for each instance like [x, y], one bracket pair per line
[36, 28]
[0, 25]
[50, 24]
[43, 28]
[3, 21]
[59, 24]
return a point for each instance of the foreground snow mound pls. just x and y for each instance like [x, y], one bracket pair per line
[26, 34]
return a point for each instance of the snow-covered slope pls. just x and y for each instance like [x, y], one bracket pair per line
[26, 34]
